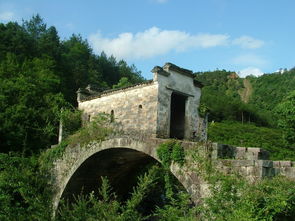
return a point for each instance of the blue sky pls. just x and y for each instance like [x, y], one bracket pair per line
[249, 37]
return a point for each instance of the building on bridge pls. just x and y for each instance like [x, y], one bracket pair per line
[165, 107]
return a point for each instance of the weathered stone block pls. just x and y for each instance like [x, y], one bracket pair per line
[290, 172]
[250, 170]
[286, 163]
[240, 153]
[243, 163]
[223, 151]
[282, 163]
[276, 163]
[254, 153]
[264, 163]
[254, 171]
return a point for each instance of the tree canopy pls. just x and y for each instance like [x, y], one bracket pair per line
[40, 74]
[286, 111]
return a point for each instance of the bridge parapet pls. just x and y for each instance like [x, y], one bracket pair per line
[285, 168]
[223, 151]
[251, 162]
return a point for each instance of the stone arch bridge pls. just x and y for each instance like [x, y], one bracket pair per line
[120, 158]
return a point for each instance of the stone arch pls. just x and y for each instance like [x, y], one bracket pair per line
[74, 157]
[120, 165]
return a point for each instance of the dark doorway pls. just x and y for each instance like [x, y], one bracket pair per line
[177, 119]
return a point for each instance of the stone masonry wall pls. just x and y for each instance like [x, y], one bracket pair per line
[135, 108]
[184, 85]
[147, 107]
[252, 163]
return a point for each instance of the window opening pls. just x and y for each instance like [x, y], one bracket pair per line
[112, 116]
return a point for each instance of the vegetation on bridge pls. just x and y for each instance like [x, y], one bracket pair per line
[171, 151]
[96, 130]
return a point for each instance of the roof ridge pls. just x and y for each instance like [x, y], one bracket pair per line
[109, 91]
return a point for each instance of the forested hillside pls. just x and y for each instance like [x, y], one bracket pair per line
[255, 111]
[40, 74]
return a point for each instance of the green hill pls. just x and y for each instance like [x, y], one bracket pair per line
[256, 96]
[271, 89]
[246, 109]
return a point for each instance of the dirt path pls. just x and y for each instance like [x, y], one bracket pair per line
[247, 91]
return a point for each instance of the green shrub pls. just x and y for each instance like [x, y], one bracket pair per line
[24, 193]
[171, 151]
[97, 129]
[232, 197]
[235, 199]
[91, 207]
[168, 152]
[106, 206]
[47, 157]
[71, 121]
[177, 154]
[180, 208]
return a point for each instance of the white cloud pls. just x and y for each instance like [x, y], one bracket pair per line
[250, 71]
[153, 42]
[248, 42]
[7, 16]
[250, 60]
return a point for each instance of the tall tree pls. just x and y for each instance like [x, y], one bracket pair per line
[130, 72]
[76, 53]
[39, 74]
[286, 112]
[30, 104]
[14, 39]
